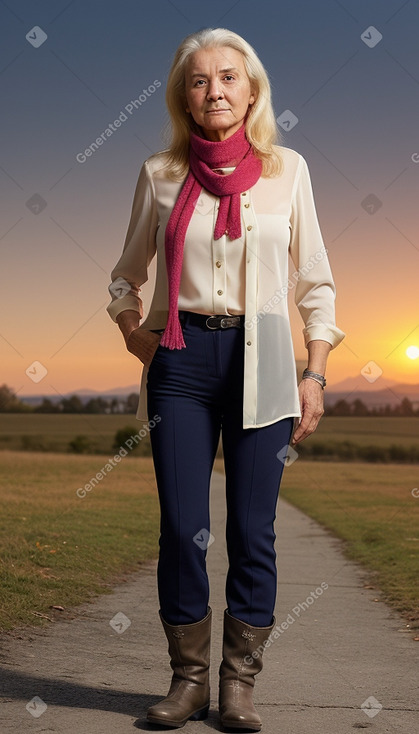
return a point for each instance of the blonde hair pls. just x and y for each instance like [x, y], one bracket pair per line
[260, 124]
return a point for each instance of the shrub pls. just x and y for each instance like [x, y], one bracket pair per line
[128, 438]
[80, 445]
[122, 436]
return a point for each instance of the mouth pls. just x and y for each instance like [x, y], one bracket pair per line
[211, 112]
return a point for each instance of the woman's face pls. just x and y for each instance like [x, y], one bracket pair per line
[218, 91]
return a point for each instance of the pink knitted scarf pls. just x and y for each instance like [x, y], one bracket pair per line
[203, 156]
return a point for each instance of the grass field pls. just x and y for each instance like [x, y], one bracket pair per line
[50, 432]
[368, 430]
[54, 432]
[57, 548]
[60, 549]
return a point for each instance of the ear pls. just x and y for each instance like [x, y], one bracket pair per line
[252, 99]
[187, 109]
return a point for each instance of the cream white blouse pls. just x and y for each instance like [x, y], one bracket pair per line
[248, 275]
[225, 268]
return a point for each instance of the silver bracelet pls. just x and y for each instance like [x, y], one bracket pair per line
[308, 374]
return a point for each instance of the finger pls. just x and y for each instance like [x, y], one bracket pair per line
[306, 430]
[308, 425]
[299, 432]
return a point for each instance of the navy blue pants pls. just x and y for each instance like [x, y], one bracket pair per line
[198, 393]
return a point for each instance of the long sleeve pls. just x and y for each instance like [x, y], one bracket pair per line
[130, 272]
[314, 286]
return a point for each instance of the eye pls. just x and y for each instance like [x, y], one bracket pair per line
[199, 82]
[229, 76]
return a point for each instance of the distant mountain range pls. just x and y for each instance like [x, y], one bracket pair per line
[376, 394]
[114, 392]
[373, 395]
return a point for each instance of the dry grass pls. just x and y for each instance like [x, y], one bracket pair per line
[59, 549]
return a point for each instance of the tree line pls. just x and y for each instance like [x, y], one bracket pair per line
[358, 409]
[10, 403]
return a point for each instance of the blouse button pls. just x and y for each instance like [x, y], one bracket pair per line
[249, 227]
[218, 264]
[249, 344]
[220, 293]
[244, 193]
[247, 205]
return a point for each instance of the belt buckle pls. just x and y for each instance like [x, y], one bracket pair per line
[209, 319]
[229, 321]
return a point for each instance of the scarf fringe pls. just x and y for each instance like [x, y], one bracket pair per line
[172, 337]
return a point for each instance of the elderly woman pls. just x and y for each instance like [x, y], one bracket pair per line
[218, 213]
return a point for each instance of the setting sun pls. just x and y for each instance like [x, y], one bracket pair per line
[412, 352]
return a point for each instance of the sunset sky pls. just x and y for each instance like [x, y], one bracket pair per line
[63, 222]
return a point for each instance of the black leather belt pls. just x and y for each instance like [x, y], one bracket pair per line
[223, 322]
[211, 322]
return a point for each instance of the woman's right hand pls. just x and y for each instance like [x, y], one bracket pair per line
[128, 321]
[143, 344]
[140, 342]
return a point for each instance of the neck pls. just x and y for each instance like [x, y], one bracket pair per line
[217, 136]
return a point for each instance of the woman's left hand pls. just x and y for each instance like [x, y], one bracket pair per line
[311, 404]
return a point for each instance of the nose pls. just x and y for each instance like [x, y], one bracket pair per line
[214, 90]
